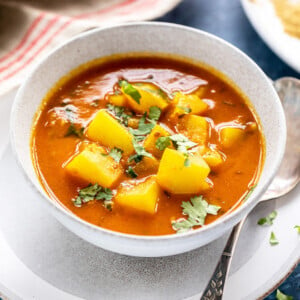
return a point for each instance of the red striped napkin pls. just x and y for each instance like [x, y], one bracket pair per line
[30, 28]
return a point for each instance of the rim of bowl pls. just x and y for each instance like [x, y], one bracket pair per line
[249, 204]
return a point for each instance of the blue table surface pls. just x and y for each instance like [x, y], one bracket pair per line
[226, 19]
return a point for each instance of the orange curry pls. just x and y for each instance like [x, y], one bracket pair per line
[147, 145]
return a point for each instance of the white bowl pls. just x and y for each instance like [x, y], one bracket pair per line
[163, 38]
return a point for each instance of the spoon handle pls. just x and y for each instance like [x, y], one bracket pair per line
[215, 287]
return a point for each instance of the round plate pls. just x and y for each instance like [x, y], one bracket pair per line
[40, 259]
[264, 20]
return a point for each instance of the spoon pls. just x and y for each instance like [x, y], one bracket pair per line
[286, 179]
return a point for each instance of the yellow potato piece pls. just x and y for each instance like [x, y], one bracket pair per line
[118, 100]
[150, 96]
[176, 178]
[91, 165]
[231, 136]
[142, 197]
[190, 101]
[106, 130]
[196, 128]
[213, 158]
[146, 165]
[149, 143]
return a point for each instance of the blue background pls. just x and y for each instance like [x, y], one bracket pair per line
[226, 19]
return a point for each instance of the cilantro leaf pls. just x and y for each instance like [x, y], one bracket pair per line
[73, 130]
[140, 152]
[118, 111]
[116, 154]
[250, 193]
[93, 192]
[130, 172]
[182, 143]
[297, 227]
[282, 296]
[187, 162]
[154, 113]
[143, 129]
[273, 240]
[130, 90]
[163, 142]
[268, 220]
[196, 209]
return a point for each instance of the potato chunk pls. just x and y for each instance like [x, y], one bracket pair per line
[213, 158]
[196, 128]
[149, 143]
[142, 197]
[191, 101]
[118, 100]
[230, 136]
[91, 165]
[176, 178]
[106, 130]
[150, 96]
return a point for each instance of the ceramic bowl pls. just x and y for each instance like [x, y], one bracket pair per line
[150, 37]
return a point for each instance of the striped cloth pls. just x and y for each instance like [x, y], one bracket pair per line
[30, 28]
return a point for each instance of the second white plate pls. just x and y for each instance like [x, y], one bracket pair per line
[263, 18]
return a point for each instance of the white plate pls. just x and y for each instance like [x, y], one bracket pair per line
[40, 259]
[264, 20]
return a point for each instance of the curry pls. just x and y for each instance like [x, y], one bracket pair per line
[147, 145]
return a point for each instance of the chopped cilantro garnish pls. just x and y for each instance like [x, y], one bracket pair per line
[143, 129]
[116, 154]
[273, 240]
[118, 111]
[268, 220]
[196, 209]
[250, 192]
[94, 192]
[182, 143]
[140, 152]
[130, 90]
[73, 130]
[154, 113]
[282, 296]
[130, 172]
[297, 227]
[187, 162]
[163, 142]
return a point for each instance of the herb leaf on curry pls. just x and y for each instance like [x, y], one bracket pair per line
[92, 192]
[130, 90]
[196, 209]
[73, 130]
[119, 112]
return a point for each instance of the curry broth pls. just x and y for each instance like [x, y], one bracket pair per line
[86, 93]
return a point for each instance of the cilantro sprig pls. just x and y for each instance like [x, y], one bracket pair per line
[273, 239]
[94, 192]
[140, 152]
[297, 227]
[130, 172]
[73, 130]
[268, 220]
[196, 209]
[130, 90]
[115, 153]
[118, 112]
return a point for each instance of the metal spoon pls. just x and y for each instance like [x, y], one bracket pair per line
[286, 179]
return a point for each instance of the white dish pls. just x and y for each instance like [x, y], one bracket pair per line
[263, 18]
[150, 37]
[40, 259]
